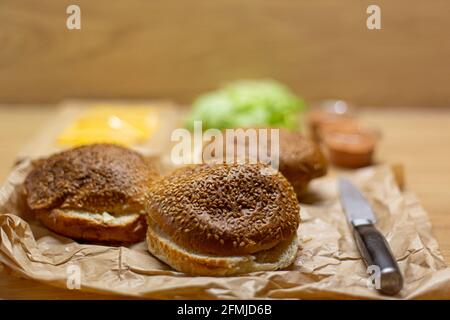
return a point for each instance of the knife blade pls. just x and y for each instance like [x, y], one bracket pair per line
[372, 245]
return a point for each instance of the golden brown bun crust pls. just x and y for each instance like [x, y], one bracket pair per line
[93, 230]
[225, 209]
[94, 178]
[301, 160]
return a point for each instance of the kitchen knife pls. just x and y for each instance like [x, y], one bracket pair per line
[371, 243]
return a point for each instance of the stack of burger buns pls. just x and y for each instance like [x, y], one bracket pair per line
[208, 219]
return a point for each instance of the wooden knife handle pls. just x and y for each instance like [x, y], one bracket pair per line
[376, 252]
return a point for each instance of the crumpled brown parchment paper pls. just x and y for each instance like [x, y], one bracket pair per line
[328, 264]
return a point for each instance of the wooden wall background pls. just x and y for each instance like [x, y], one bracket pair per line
[177, 48]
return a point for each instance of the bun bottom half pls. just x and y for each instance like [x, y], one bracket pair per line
[194, 263]
[129, 228]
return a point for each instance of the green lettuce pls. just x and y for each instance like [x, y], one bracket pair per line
[247, 103]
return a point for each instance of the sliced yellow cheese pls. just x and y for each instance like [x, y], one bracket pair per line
[124, 125]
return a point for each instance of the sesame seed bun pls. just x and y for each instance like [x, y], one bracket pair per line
[221, 210]
[69, 190]
[301, 160]
[191, 262]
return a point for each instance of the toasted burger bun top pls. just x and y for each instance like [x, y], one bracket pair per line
[224, 209]
[300, 158]
[300, 155]
[94, 178]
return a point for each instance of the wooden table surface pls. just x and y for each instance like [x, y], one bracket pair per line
[417, 138]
